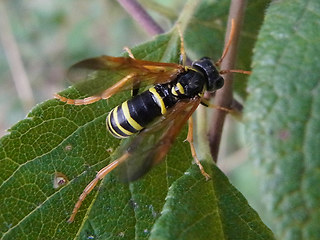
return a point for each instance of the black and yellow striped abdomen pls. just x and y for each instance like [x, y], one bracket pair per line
[135, 114]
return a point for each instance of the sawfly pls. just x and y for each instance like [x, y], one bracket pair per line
[153, 118]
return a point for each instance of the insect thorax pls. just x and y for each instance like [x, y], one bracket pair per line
[188, 84]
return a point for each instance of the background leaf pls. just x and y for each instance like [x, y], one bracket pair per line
[199, 209]
[283, 113]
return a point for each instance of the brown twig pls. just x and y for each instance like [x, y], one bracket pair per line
[145, 20]
[12, 52]
[141, 16]
[224, 97]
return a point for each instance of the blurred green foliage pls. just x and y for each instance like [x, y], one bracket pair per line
[283, 116]
[51, 36]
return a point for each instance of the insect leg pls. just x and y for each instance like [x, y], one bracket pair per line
[210, 105]
[193, 151]
[235, 109]
[116, 87]
[104, 95]
[100, 175]
[135, 90]
[84, 101]
[135, 86]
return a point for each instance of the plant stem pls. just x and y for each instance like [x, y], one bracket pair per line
[224, 97]
[141, 16]
[15, 62]
[186, 14]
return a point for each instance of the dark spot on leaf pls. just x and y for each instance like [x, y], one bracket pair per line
[133, 204]
[284, 134]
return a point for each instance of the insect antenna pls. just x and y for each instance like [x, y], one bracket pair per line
[225, 51]
[235, 71]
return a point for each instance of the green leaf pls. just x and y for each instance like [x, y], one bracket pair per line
[283, 115]
[48, 159]
[72, 141]
[199, 209]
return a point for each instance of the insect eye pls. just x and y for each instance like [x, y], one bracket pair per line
[214, 80]
[214, 83]
[219, 82]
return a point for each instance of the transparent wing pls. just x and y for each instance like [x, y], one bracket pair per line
[150, 146]
[94, 75]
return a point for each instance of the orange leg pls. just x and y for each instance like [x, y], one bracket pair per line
[135, 86]
[116, 87]
[193, 151]
[104, 95]
[210, 105]
[100, 175]
[234, 111]
[84, 101]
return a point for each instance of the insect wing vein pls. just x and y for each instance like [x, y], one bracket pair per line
[94, 75]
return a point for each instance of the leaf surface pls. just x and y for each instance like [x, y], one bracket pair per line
[49, 157]
[199, 209]
[283, 115]
[71, 141]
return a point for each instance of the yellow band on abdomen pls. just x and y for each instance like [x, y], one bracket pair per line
[130, 120]
[159, 100]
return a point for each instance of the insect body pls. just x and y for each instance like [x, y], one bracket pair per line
[135, 114]
[153, 118]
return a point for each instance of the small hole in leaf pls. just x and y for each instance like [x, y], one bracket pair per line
[68, 147]
[110, 150]
[59, 180]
